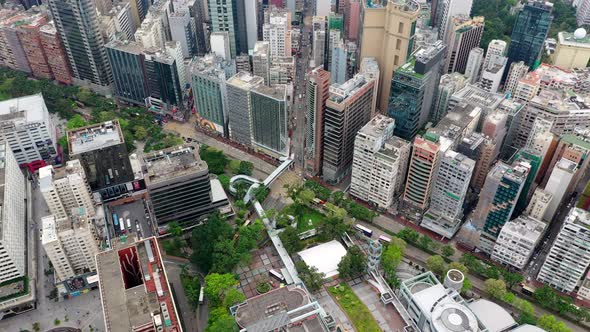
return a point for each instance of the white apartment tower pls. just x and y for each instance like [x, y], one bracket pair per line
[375, 164]
[539, 204]
[448, 194]
[558, 183]
[451, 9]
[569, 256]
[517, 241]
[13, 243]
[517, 71]
[473, 67]
[319, 35]
[28, 129]
[70, 244]
[277, 32]
[66, 189]
[495, 48]
[491, 75]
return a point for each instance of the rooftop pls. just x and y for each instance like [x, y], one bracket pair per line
[340, 93]
[28, 108]
[494, 317]
[280, 308]
[174, 162]
[49, 233]
[568, 38]
[477, 96]
[134, 289]
[579, 217]
[377, 125]
[526, 227]
[245, 80]
[126, 46]
[453, 126]
[325, 257]
[277, 91]
[210, 66]
[94, 137]
[561, 101]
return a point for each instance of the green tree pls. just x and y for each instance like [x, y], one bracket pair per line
[524, 306]
[290, 239]
[353, 264]
[545, 296]
[550, 324]
[495, 288]
[511, 279]
[425, 242]
[191, 286]
[334, 211]
[224, 180]
[245, 167]
[392, 256]
[525, 318]
[457, 266]
[332, 228]
[36, 327]
[174, 228]
[436, 264]
[222, 323]
[305, 197]
[217, 287]
[338, 197]
[140, 133]
[310, 276]
[409, 235]
[203, 240]
[216, 160]
[225, 257]
[447, 251]
[76, 121]
[233, 297]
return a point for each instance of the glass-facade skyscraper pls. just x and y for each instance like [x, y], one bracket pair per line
[79, 31]
[530, 30]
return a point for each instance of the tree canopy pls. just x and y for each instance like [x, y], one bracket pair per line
[353, 264]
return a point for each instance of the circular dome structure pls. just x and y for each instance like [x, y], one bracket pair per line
[454, 279]
[453, 317]
[580, 33]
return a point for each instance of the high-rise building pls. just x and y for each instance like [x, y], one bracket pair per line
[582, 11]
[460, 122]
[103, 154]
[184, 30]
[220, 44]
[319, 35]
[126, 307]
[563, 110]
[139, 9]
[282, 70]
[240, 106]
[323, 7]
[77, 24]
[370, 68]
[376, 165]
[448, 85]
[13, 242]
[12, 54]
[261, 60]
[277, 32]
[28, 31]
[348, 109]
[339, 62]
[251, 8]
[572, 49]
[496, 47]
[448, 194]
[317, 92]
[422, 171]
[269, 118]
[517, 241]
[476, 97]
[127, 61]
[70, 244]
[491, 76]
[473, 66]
[529, 32]
[557, 185]
[209, 74]
[569, 256]
[387, 35]
[178, 185]
[55, 53]
[412, 90]
[28, 129]
[352, 18]
[224, 18]
[463, 36]
[65, 190]
[151, 33]
[518, 70]
[539, 204]
[497, 201]
[451, 9]
[574, 147]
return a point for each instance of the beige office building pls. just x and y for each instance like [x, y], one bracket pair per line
[387, 35]
[572, 50]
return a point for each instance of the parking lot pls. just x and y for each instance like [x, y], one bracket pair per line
[135, 218]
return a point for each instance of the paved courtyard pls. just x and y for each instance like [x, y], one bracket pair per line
[388, 318]
[263, 260]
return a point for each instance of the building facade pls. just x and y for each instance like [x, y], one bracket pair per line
[317, 92]
[464, 35]
[517, 241]
[28, 129]
[422, 171]
[569, 255]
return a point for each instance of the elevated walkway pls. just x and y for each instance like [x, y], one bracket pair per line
[255, 183]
